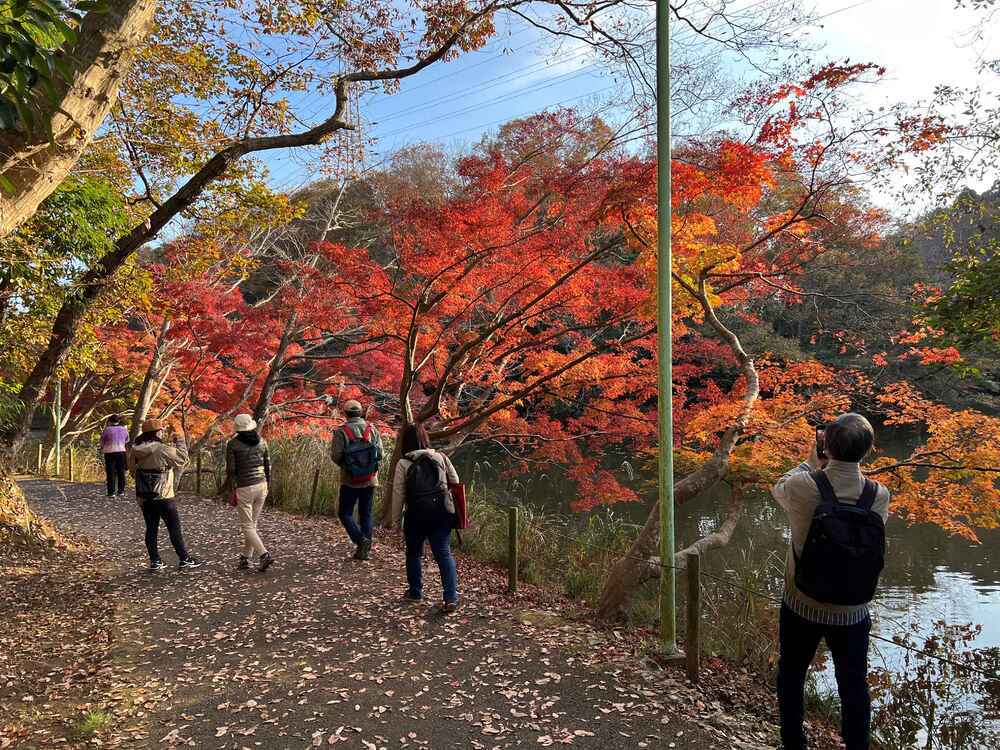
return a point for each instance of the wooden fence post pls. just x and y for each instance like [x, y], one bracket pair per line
[512, 519]
[69, 459]
[197, 476]
[312, 495]
[693, 644]
[38, 470]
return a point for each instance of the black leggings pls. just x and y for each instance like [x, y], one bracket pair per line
[114, 469]
[154, 511]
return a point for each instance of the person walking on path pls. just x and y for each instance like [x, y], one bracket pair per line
[421, 497]
[837, 517]
[356, 447]
[248, 472]
[152, 463]
[114, 444]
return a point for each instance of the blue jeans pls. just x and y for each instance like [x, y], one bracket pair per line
[362, 498]
[798, 639]
[436, 530]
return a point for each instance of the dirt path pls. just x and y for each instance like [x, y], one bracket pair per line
[318, 651]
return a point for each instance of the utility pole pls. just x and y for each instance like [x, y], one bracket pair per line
[665, 375]
[57, 409]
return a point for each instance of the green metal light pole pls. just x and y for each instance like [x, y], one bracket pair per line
[668, 604]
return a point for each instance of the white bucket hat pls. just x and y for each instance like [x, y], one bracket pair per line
[245, 423]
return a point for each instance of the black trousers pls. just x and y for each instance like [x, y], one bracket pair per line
[158, 510]
[114, 470]
[798, 640]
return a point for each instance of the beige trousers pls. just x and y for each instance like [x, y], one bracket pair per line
[249, 502]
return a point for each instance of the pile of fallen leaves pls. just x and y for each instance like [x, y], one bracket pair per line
[19, 525]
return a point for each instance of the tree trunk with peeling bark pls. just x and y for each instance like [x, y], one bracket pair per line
[102, 56]
[634, 568]
[274, 370]
[147, 392]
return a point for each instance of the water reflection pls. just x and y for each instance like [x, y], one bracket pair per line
[929, 575]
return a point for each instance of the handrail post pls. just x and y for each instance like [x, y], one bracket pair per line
[512, 549]
[693, 645]
[312, 494]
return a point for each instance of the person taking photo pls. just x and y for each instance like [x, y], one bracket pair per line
[837, 552]
[152, 462]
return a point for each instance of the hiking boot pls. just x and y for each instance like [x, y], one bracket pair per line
[155, 566]
[364, 549]
[266, 561]
[189, 564]
[448, 607]
[411, 598]
[244, 563]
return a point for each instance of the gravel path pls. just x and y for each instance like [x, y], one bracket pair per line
[317, 651]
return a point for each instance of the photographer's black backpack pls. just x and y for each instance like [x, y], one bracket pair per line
[845, 550]
[426, 486]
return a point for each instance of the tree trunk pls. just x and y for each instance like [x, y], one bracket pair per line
[271, 380]
[101, 58]
[385, 512]
[629, 572]
[633, 569]
[146, 393]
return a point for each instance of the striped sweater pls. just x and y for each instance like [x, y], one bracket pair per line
[797, 493]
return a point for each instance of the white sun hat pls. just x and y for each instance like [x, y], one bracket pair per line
[245, 423]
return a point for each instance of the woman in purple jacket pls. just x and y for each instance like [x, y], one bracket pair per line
[114, 441]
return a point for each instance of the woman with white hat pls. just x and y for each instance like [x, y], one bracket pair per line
[248, 472]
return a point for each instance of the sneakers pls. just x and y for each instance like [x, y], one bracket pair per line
[363, 550]
[448, 607]
[189, 564]
[155, 566]
[266, 561]
[244, 563]
[412, 598]
[121, 494]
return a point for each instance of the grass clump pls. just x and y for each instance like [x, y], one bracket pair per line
[93, 723]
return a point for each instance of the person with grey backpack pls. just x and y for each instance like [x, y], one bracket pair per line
[837, 552]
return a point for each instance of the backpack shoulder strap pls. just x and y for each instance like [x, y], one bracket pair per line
[868, 495]
[367, 435]
[825, 488]
[348, 432]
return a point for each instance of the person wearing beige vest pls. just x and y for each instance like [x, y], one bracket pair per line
[152, 463]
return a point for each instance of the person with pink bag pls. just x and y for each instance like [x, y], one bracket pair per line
[248, 475]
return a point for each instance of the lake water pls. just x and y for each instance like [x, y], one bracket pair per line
[929, 575]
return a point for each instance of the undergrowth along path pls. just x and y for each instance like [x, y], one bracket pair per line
[318, 651]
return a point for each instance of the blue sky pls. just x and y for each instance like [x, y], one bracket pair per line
[922, 43]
